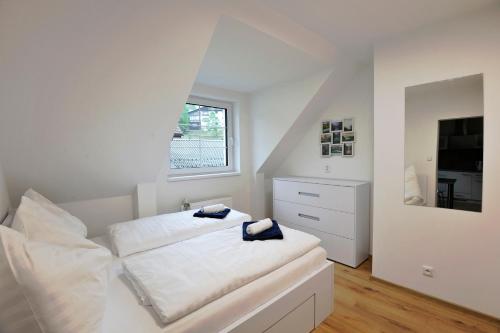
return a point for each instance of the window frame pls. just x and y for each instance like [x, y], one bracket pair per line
[230, 151]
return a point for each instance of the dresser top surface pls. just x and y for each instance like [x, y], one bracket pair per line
[324, 181]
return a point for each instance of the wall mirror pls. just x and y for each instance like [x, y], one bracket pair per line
[444, 144]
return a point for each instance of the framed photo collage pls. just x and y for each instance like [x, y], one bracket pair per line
[337, 138]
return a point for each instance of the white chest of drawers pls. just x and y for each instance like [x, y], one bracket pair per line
[336, 211]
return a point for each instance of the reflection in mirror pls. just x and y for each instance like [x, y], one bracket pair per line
[444, 144]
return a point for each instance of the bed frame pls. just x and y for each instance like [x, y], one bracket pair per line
[298, 309]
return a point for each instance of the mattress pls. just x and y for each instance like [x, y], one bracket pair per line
[124, 314]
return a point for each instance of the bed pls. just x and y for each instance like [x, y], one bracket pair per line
[295, 297]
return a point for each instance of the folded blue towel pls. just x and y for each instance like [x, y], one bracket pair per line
[272, 233]
[218, 215]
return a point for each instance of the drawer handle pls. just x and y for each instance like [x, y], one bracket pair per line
[307, 194]
[310, 217]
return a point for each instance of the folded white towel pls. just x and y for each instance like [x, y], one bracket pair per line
[258, 227]
[413, 193]
[213, 208]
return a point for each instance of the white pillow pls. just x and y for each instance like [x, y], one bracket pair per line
[37, 223]
[64, 284]
[72, 221]
[15, 311]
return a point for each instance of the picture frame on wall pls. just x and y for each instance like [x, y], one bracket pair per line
[348, 149]
[325, 126]
[348, 125]
[336, 125]
[326, 138]
[325, 150]
[336, 137]
[336, 150]
[348, 137]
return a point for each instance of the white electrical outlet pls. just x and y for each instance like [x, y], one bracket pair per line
[327, 168]
[428, 271]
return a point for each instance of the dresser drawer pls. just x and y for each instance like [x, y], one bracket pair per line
[299, 320]
[337, 248]
[333, 222]
[318, 195]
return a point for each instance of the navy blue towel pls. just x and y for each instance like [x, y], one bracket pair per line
[272, 233]
[218, 215]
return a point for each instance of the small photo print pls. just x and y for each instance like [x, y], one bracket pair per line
[336, 125]
[348, 125]
[347, 136]
[326, 138]
[348, 150]
[325, 127]
[336, 137]
[325, 150]
[336, 150]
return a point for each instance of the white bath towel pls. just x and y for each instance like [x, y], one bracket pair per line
[258, 227]
[213, 208]
[413, 194]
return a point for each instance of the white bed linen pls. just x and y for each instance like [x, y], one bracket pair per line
[181, 278]
[125, 315]
[60, 279]
[413, 193]
[70, 222]
[38, 223]
[152, 232]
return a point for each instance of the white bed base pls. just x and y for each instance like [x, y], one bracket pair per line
[298, 309]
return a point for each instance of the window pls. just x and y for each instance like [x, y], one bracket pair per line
[202, 141]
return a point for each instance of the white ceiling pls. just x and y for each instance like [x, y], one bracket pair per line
[465, 83]
[359, 23]
[244, 59]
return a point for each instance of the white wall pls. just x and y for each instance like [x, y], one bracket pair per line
[355, 100]
[274, 111]
[280, 116]
[463, 247]
[168, 195]
[425, 106]
[171, 193]
[99, 213]
[88, 99]
[4, 195]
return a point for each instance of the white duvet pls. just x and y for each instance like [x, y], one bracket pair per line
[152, 232]
[181, 278]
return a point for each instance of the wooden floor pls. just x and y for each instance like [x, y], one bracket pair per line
[364, 304]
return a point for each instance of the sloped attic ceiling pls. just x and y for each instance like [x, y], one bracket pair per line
[358, 24]
[88, 90]
[88, 111]
[244, 59]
